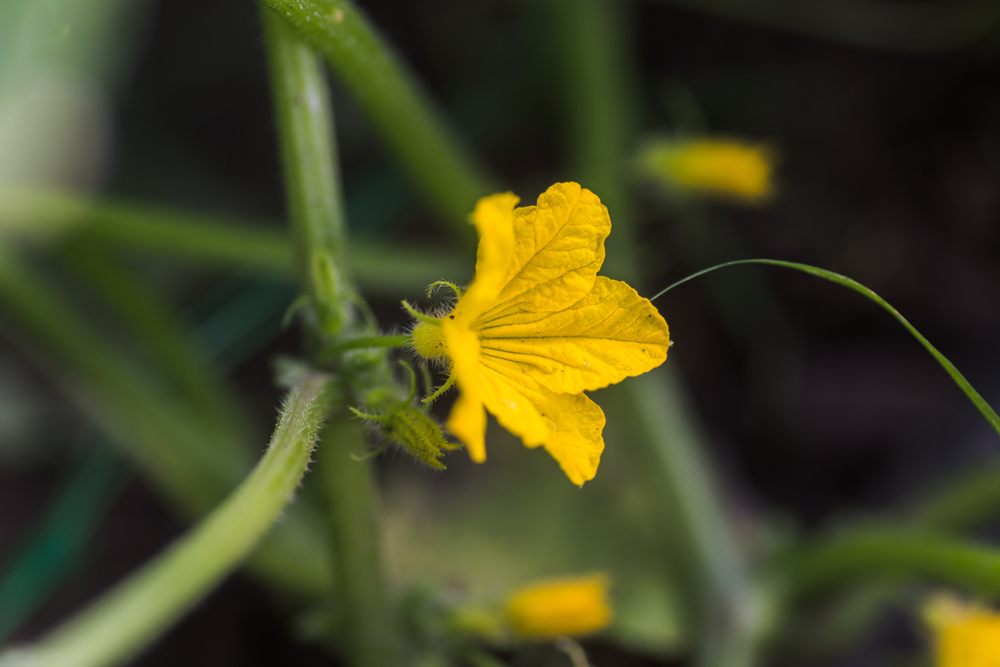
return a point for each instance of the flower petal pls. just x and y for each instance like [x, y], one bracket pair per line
[559, 249]
[494, 220]
[610, 334]
[507, 400]
[468, 417]
[571, 424]
[558, 607]
[575, 426]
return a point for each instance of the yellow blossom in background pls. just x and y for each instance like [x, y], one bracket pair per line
[965, 635]
[560, 607]
[538, 327]
[730, 169]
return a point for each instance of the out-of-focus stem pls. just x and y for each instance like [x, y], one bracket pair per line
[884, 551]
[158, 433]
[161, 333]
[140, 609]
[444, 172]
[668, 444]
[967, 501]
[654, 418]
[52, 216]
[39, 217]
[597, 95]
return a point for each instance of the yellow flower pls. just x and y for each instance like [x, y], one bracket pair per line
[560, 607]
[966, 635]
[714, 167]
[538, 327]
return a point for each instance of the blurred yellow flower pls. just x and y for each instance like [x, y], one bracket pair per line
[966, 635]
[560, 607]
[538, 327]
[730, 169]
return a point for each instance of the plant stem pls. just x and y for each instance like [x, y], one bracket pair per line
[445, 173]
[366, 623]
[667, 442]
[965, 502]
[189, 371]
[312, 182]
[158, 433]
[162, 436]
[598, 97]
[46, 216]
[885, 551]
[653, 416]
[369, 631]
[365, 342]
[140, 609]
[53, 215]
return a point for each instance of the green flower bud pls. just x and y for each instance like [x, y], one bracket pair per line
[413, 430]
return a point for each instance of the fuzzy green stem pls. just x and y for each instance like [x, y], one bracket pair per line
[48, 216]
[369, 632]
[129, 617]
[445, 173]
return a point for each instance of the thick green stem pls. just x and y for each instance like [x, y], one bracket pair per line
[158, 433]
[140, 609]
[867, 553]
[445, 173]
[367, 623]
[312, 182]
[369, 632]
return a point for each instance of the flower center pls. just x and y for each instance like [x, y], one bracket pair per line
[428, 341]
